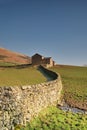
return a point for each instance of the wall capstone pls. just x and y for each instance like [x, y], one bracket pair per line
[20, 104]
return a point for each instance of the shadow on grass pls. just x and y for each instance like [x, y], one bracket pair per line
[17, 66]
[48, 77]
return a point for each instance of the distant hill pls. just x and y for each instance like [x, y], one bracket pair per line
[8, 56]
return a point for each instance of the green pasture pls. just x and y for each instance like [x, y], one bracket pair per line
[53, 118]
[20, 76]
[74, 81]
[7, 64]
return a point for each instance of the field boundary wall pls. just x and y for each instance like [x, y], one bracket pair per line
[19, 104]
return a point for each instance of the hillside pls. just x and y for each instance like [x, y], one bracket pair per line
[8, 56]
[74, 79]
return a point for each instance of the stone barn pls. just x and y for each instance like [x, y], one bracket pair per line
[38, 59]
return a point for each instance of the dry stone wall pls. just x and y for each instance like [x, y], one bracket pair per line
[20, 104]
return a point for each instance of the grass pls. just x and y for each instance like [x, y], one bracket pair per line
[74, 81]
[53, 118]
[74, 90]
[7, 64]
[23, 76]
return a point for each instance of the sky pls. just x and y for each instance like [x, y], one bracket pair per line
[56, 28]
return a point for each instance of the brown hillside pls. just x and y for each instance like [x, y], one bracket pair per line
[13, 57]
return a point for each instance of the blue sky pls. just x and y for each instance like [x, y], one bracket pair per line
[56, 28]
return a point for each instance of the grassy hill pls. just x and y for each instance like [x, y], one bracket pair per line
[20, 76]
[9, 58]
[75, 93]
[74, 81]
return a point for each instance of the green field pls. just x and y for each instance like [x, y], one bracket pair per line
[74, 81]
[52, 118]
[7, 64]
[22, 76]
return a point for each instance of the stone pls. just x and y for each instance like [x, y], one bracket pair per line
[19, 105]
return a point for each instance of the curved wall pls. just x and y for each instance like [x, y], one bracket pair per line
[20, 104]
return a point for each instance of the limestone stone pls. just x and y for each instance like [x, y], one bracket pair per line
[20, 104]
